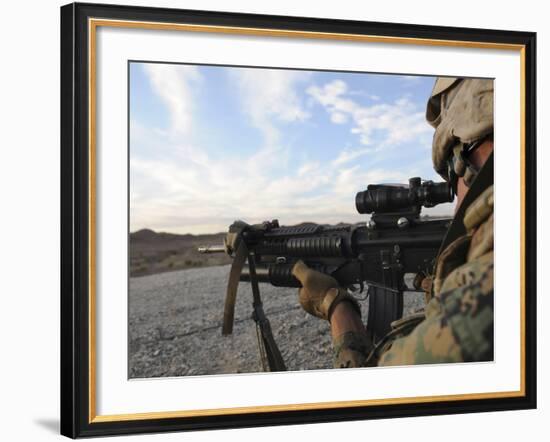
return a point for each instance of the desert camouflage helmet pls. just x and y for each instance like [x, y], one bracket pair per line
[461, 111]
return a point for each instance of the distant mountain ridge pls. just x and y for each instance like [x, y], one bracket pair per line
[149, 235]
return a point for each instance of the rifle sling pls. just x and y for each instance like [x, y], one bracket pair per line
[232, 286]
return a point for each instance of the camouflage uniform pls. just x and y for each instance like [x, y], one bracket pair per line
[459, 318]
[457, 325]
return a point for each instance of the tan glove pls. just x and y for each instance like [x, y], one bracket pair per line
[320, 293]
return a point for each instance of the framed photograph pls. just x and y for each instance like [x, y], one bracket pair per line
[217, 169]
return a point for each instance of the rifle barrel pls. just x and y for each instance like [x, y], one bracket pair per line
[211, 249]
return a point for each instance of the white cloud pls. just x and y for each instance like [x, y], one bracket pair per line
[338, 118]
[269, 96]
[194, 193]
[361, 93]
[307, 168]
[331, 97]
[176, 186]
[348, 155]
[410, 79]
[394, 123]
[174, 85]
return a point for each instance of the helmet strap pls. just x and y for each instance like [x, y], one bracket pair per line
[460, 165]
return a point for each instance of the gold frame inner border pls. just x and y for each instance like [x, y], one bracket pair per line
[93, 24]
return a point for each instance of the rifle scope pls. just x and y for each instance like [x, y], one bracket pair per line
[387, 198]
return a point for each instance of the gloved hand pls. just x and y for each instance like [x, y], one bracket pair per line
[320, 293]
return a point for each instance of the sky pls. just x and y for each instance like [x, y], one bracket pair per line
[213, 144]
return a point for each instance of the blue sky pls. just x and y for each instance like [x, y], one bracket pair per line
[211, 144]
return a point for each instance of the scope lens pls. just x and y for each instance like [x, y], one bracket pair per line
[439, 193]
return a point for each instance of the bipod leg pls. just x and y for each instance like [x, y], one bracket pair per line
[266, 342]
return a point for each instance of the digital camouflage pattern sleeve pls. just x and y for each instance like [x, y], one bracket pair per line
[458, 325]
[459, 318]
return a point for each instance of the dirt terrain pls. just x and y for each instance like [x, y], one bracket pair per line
[175, 326]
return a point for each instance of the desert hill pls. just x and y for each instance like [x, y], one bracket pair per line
[155, 252]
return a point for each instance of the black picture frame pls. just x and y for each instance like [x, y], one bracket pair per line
[76, 402]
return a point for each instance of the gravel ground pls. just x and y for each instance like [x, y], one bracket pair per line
[175, 326]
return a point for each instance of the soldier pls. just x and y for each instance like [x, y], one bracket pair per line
[457, 324]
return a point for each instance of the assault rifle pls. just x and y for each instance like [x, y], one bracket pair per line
[395, 241]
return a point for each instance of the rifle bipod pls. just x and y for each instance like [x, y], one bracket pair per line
[270, 355]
